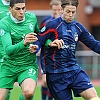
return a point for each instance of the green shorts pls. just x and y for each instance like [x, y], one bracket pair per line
[11, 73]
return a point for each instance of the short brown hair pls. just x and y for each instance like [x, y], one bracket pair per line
[55, 2]
[69, 2]
[13, 2]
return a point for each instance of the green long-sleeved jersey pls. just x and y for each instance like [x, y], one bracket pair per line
[12, 34]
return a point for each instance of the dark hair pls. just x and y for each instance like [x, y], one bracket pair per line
[13, 2]
[69, 2]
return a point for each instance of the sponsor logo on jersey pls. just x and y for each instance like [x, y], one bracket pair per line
[31, 26]
[2, 32]
[71, 46]
[65, 46]
[43, 29]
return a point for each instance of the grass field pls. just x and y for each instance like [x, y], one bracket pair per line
[15, 93]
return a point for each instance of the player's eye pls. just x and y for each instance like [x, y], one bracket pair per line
[20, 8]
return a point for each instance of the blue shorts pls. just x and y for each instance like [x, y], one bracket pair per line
[62, 84]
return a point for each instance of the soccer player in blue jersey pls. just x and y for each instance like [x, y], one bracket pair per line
[63, 74]
[56, 10]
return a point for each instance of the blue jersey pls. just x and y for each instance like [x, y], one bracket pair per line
[63, 59]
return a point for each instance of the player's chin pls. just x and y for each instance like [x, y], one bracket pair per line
[69, 21]
[20, 18]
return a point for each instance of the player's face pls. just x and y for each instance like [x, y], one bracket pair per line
[56, 10]
[68, 13]
[18, 11]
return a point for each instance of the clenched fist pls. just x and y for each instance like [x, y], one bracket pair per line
[31, 37]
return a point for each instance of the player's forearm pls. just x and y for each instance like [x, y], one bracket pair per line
[8, 47]
[13, 49]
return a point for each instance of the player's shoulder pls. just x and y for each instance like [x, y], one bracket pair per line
[77, 23]
[79, 26]
[30, 14]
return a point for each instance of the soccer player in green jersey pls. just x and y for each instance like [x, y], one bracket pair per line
[17, 31]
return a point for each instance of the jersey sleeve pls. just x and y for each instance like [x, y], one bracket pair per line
[43, 23]
[88, 39]
[9, 48]
[36, 28]
[47, 42]
[46, 35]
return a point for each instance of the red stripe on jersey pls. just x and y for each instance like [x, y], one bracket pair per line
[56, 37]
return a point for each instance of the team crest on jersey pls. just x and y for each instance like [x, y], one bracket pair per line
[2, 32]
[43, 29]
[31, 26]
[76, 37]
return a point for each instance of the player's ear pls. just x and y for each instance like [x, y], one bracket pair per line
[10, 9]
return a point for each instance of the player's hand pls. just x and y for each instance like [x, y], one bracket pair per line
[57, 43]
[31, 37]
[33, 48]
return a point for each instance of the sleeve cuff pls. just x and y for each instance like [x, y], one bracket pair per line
[47, 42]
